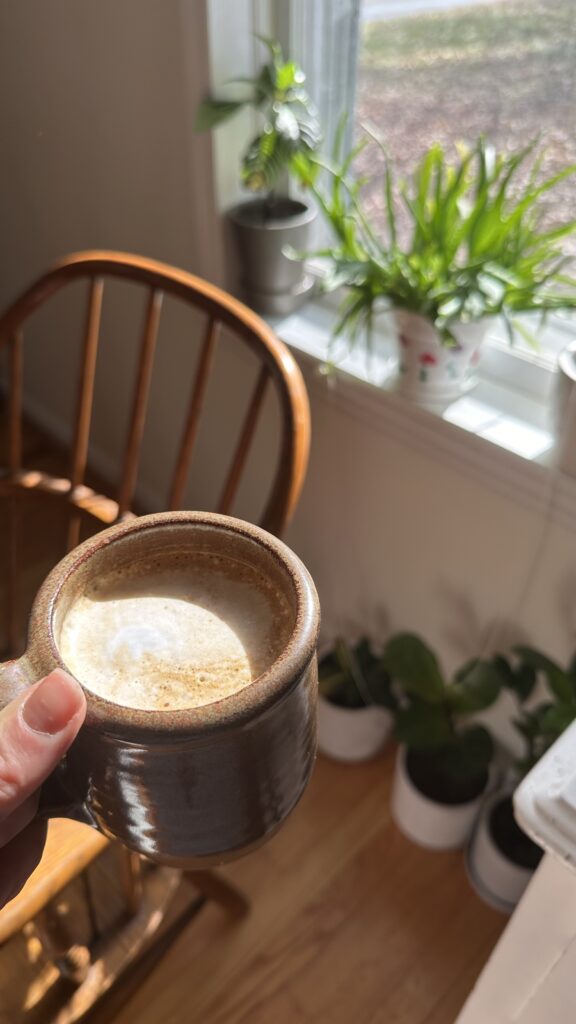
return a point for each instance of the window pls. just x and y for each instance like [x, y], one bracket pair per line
[451, 70]
[447, 70]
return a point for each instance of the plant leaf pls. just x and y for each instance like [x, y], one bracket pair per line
[422, 727]
[408, 659]
[557, 718]
[559, 681]
[213, 112]
[475, 688]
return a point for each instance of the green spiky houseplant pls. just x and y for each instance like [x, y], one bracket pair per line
[357, 702]
[446, 755]
[287, 138]
[463, 241]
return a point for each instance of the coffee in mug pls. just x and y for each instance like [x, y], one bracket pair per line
[177, 633]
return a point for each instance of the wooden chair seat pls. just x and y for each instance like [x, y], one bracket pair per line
[70, 847]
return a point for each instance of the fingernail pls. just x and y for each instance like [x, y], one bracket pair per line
[52, 704]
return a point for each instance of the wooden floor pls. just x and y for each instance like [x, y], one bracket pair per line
[351, 924]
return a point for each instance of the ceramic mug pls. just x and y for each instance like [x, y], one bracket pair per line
[194, 786]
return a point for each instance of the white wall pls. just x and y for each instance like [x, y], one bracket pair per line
[396, 540]
[96, 106]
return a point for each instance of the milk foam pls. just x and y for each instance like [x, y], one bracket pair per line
[178, 636]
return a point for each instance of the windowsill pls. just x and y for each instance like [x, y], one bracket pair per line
[500, 433]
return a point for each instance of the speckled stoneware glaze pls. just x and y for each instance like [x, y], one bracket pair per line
[194, 786]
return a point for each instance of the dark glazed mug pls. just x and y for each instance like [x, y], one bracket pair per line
[194, 786]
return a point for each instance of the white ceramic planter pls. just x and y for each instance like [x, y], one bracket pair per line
[428, 372]
[347, 734]
[497, 879]
[427, 822]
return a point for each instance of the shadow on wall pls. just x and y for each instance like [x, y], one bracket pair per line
[567, 602]
[469, 634]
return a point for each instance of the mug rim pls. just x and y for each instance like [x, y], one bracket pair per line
[274, 683]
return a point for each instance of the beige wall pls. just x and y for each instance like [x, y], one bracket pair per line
[401, 535]
[97, 103]
[396, 540]
[96, 107]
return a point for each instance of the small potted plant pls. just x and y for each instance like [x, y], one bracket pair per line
[356, 703]
[443, 765]
[463, 242]
[501, 858]
[271, 221]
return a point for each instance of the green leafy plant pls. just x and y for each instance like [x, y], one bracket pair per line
[476, 245]
[542, 725]
[433, 718]
[354, 677]
[290, 132]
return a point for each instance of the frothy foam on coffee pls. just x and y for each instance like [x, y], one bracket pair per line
[180, 635]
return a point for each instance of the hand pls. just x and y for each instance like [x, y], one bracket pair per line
[36, 730]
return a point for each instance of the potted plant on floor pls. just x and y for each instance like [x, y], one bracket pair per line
[463, 242]
[443, 765]
[356, 702]
[271, 221]
[501, 858]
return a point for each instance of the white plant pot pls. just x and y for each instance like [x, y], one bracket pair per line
[496, 879]
[347, 734]
[428, 822]
[429, 373]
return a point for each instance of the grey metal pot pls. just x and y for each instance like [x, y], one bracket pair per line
[271, 282]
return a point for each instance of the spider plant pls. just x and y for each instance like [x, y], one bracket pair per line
[477, 246]
[290, 131]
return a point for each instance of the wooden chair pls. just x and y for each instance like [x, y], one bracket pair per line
[81, 510]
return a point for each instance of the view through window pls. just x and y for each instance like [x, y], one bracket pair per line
[450, 70]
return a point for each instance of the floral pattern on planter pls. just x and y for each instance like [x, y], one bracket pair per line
[429, 372]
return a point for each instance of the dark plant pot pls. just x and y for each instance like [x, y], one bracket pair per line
[430, 814]
[501, 858]
[272, 284]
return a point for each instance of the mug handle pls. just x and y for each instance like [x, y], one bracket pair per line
[55, 799]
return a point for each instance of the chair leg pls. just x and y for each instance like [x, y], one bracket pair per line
[71, 959]
[130, 865]
[214, 887]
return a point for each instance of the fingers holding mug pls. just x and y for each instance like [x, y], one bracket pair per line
[36, 730]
